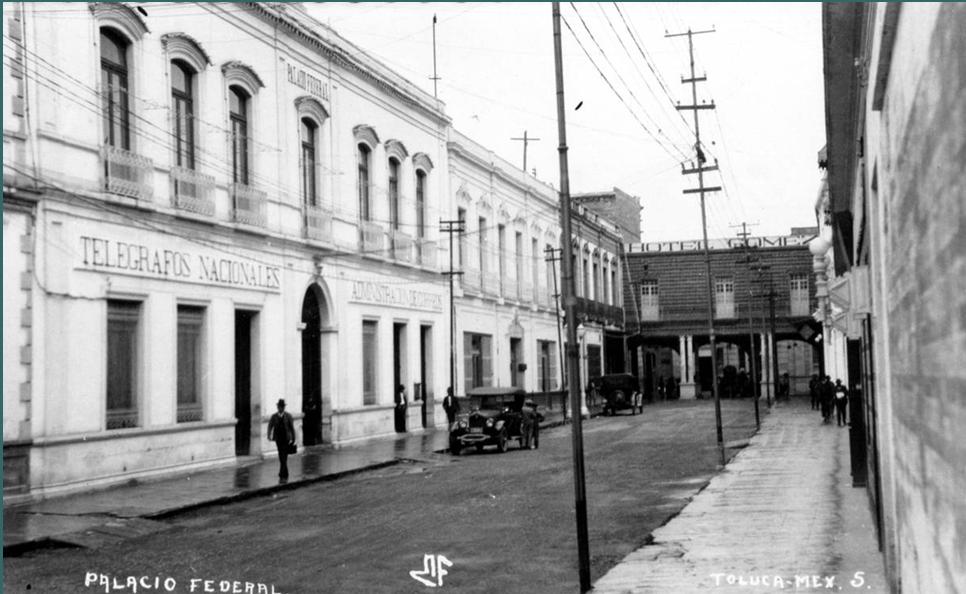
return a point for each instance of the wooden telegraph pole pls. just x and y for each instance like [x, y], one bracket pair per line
[570, 309]
[751, 325]
[700, 169]
[526, 141]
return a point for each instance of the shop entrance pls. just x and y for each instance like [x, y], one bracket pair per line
[516, 361]
[425, 374]
[243, 381]
[313, 318]
[398, 377]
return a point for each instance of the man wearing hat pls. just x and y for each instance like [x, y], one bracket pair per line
[281, 430]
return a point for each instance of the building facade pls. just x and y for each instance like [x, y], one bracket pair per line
[208, 209]
[896, 131]
[509, 323]
[762, 309]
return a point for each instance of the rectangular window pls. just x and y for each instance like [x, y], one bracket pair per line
[724, 298]
[309, 190]
[461, 216]
[798, 294]
[114, 102]
[548, 365]
[420, 204]
[501, 247]
[535, 256]
[123, 318]
[597, 293]
[190, 362]
[483, 245]
[370, 353]
[586, 275]
[238, 114]
[362, 156]
[394, 194]
[650, 305]
[552, 284]
[518, 254]
[613, 286]
[477, 360]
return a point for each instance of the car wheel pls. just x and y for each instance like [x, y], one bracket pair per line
[501, 442]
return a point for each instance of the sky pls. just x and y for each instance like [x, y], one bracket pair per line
[763, 64]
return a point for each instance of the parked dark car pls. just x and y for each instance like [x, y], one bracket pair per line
[620, 391]
[503, 415]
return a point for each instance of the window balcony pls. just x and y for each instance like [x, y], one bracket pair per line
[510, 288]
[599, 312]
[525, 292]
[428, 253]
[192, 191]
[491, 285]
[402, 246]
[318, 223]
[127, 173]
[372, 237]
[471, 280]
[248, 204]
[188, 413]
[122, 418]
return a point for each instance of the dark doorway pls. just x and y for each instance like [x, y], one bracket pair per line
[593, 361]
[425, 374]
[311, 369]
[398, 364]
[545, 366]
[243, 382]
[516, 359]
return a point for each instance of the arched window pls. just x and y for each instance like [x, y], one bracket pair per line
[420, 203]
[182, 96]
[238, 101]
[308, 132]
[394, 193]
[114, 83]
[363, 159]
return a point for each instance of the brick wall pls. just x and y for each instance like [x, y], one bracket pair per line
[618, 207]
[922, 181]
[683, 289]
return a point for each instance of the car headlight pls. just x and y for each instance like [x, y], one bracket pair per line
[462, 425]
[489, 422]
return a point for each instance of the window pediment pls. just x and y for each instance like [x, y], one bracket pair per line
[240, 73]
[366, 134]
[307, 106]
[180, 46]
[397, 149]
[121, 17]
[422, 161]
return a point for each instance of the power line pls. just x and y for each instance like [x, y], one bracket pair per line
[621, 98]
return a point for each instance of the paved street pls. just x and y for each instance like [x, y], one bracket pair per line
[782, 516]
[504, 522]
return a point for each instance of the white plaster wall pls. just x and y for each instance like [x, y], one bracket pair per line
[15, 263]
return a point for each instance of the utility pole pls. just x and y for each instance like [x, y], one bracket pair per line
[700, 169]
[526, 140]
[434, 78]
[773, 351]
[751, 325]
[552, 258]
[570, 307]
[451, 227]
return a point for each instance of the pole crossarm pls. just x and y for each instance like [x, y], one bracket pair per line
[700, 106]
[702, 190]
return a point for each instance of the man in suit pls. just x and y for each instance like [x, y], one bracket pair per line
[401, 405]
[451, 406]
[281, 430]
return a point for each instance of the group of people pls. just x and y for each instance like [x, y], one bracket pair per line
[829, 398]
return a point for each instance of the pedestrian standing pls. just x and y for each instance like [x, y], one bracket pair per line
[813, 385]
[281, 430]
[451, 406]
[401, 409]
[827, 393]
[841, 400]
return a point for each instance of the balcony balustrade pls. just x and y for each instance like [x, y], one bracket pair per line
[318, 223]
[402, 246]
[127, 173]
[193, 191]
[373, 237]
[248, 204]
[428, 253]
[472, 280]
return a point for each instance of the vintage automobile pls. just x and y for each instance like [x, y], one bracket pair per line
[503, 415]
[620, 391]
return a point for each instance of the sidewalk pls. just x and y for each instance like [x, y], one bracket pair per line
[115, 513]
[782, 516]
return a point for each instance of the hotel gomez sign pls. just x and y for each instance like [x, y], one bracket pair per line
[151, 261]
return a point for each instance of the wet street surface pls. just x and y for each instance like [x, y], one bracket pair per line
[493, 522]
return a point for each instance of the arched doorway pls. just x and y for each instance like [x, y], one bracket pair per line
[314, 317]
